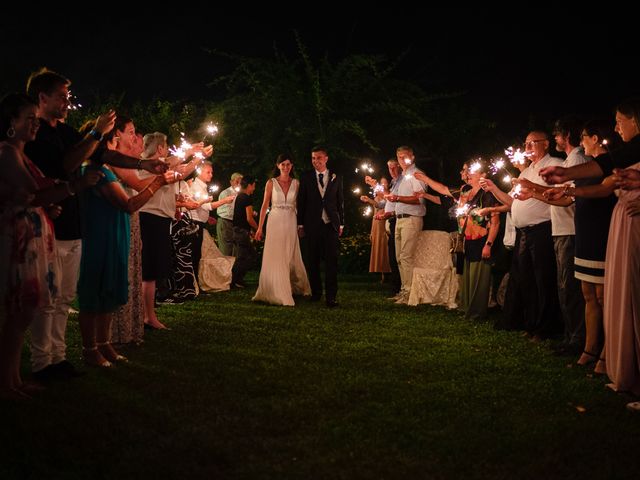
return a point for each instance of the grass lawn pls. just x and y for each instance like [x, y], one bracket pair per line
[367, 390]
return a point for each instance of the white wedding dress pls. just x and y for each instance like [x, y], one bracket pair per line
[282, 274]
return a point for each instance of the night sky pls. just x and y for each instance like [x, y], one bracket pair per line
[515, 69]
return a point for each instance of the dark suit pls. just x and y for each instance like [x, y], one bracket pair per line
[322, 238]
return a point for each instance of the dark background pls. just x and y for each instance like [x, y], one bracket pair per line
[517, 69]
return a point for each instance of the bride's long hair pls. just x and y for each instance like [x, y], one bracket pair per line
[281, 158]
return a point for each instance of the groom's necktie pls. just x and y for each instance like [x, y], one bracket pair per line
[320, 179]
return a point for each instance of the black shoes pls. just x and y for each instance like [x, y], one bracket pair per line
[315, 298]
[63, 370]
[332, 303]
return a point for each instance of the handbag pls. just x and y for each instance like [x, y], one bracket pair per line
[184, 226]
[458, 238]
[457, 242]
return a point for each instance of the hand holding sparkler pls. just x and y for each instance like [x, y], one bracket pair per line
[105, 122]
[372, 182]
[153, 166]
[554, 175]
[171, 176]
[553, 194]
[487, 185]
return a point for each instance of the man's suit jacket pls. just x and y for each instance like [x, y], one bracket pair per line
[310, 202]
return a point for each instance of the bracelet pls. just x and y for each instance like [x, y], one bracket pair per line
[151, 190]
[97, 136]
[488, 244]
[566, 193]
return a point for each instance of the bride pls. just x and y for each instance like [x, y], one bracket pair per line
[282, 274]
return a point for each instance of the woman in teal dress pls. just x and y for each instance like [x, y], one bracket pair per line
[103, 284]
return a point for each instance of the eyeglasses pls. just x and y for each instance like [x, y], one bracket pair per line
[531, 143]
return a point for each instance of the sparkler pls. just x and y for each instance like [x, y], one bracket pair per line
[517, 156]
[516, 190]
[498, 164]
[211, 130]
[365, 168]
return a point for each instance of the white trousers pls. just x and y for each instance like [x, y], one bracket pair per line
[48, 329]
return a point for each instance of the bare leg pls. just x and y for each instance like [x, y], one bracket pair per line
[593, 323]
[11, 340]
[103, 337]
[89, 330]
[149, 295]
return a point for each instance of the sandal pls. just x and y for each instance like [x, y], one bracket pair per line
[108, 352]
[592, 358]
[93, 358]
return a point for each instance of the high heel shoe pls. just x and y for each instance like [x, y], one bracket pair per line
[93, 358]
[590, 358]
[108, 352]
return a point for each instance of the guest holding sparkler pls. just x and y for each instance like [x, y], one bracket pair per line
[59, 150]
[103, 283]
[282, 274]
[379, 258]
[592, 221]
[224, 227]
[388, 215]
[155, 222]
[567, 137]
[30, 276]
[531, 301]
[409, 211]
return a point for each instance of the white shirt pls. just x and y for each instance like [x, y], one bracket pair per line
[562, 218]
[525, 213]
[407, 186]
[226, 210]
[200, 191]
[163, 201]
[322, 189]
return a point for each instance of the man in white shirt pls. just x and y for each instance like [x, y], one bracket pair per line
[531, 300]
[409, 213]
[224, 228]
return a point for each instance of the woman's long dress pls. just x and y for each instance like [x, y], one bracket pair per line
[379, 260]
[622, 295]
[282, 274]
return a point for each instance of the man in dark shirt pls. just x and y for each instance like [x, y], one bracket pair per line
[59, 151]
[243, 223]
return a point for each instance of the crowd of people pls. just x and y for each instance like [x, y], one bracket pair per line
[109, 217]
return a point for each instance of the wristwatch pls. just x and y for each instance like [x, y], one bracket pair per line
[488, 244]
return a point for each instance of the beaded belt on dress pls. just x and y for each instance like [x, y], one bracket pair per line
[286, 207]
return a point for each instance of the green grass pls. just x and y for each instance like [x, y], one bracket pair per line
[367, 390]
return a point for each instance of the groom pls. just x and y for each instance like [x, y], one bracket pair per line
[320, 221]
